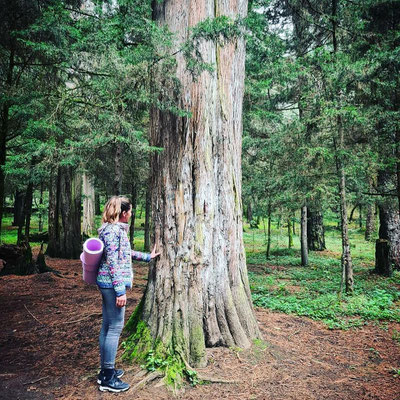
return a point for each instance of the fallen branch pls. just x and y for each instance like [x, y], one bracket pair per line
[37, 380]
[33, 315]
[82, 319]
[214, 379]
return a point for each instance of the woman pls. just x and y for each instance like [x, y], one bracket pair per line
[114, 276]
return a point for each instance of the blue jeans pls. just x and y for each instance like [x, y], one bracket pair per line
[113, 322]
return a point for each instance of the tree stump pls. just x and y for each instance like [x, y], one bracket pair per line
[18, 260]
[383, 266]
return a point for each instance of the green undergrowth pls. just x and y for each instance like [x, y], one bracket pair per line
[282, 284]
[313, 292]
[154, 355]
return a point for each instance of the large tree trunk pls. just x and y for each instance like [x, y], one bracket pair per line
[133, 218]
[53, 217]
[147, 221]
[198, 292]
[18, 207]
[97, 209]
[389, 222]
[65, 214]
[303, 237]
[88, 205]
[40, 207]
[315, 230]
[28, 209]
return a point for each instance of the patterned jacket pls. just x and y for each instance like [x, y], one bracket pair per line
[115, 270]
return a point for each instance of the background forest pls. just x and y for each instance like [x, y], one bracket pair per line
[321, 117]
[81, 80]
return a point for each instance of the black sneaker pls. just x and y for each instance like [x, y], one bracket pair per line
[119, 372]
[114, 384]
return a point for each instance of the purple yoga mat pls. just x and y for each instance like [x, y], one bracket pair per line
[91, 256]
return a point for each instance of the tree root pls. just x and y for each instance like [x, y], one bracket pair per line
[205, 377]
[147, 379]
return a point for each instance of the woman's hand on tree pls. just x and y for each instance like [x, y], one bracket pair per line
[121, 301]
[153, 253]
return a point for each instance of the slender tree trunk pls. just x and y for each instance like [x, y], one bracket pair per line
[97, 209]
[315, 230]
[249, 213]
[303, 238]
[133, 218]
[347, 265]
[147, 221]
[41, 207]
[290, 234]
[268, 253]
[360, 216]
[118, 169]
[370, 222]
[346, 261]
[294, 225]
[88, 205]
[352, 213]
[198, 293]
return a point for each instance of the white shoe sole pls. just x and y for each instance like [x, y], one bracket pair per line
[106, 388]
[118, 376]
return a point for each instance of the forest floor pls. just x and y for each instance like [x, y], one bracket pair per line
[49, 350]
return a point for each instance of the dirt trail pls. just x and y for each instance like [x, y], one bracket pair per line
[49, 350]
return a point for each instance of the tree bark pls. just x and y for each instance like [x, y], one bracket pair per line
[346, 261]
[147, 220]
[65, 214]
[18, 207]
[268, 253]
[28, 210]
[53, 217]
[290, 233]
[118, 169]
[88, 205]
[389, 221]
[383, 266]
[198, 292]
[40, 207]
[4, 129]
[315, 230]
[369, 222]
[97, 209]
[303, 238]
[133, 218]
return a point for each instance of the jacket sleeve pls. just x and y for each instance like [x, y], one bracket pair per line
[139, 256]
[111, 247]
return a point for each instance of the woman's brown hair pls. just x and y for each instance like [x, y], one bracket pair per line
[114, 207]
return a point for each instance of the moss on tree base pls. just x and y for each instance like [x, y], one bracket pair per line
[154, 355]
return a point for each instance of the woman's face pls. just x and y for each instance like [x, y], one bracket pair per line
[126, 215]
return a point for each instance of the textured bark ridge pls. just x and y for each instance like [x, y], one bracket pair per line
[198, 292]
[315, 230]
[389, 221]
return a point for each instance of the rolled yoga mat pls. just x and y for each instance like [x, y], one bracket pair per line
[91, 256]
